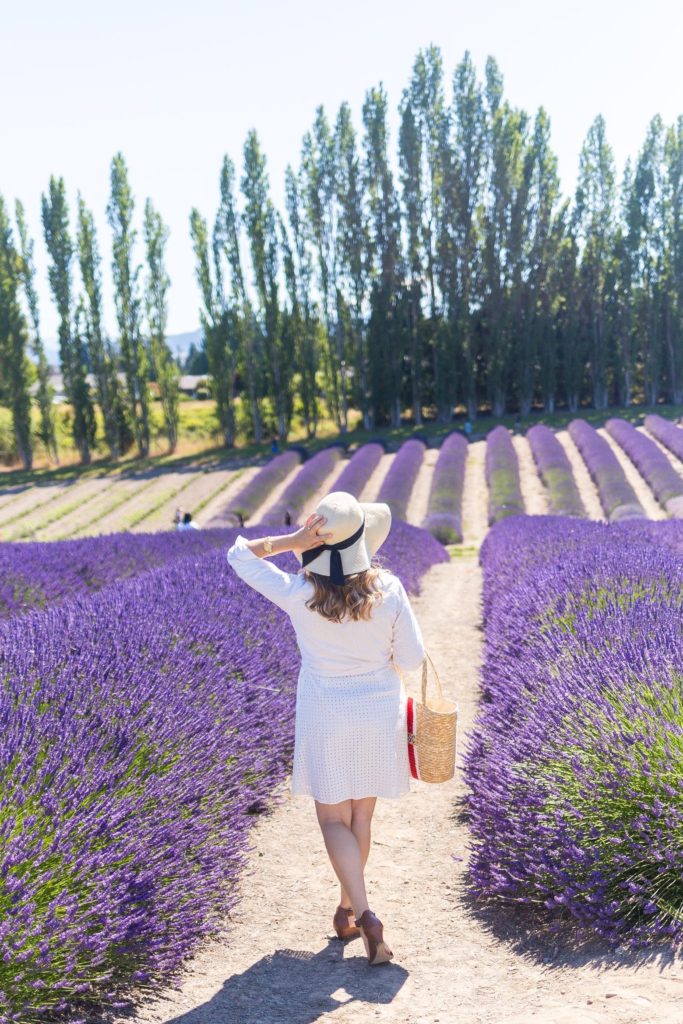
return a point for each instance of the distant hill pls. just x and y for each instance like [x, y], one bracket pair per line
[179, 344]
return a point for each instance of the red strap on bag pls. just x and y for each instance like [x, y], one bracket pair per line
[411, 739]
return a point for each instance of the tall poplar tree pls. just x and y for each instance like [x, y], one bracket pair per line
[318, 163]
[73, 356]
[101, 355]
[595, 210]
[246, 340]
[353, 257]
[127, 301]
[262, 231]
[459, 263]
[14, 342]
[304, 324]
[218, 325]
[672, 271]
[156, 306]
[387, 336]
[27, 273]
[537, 336]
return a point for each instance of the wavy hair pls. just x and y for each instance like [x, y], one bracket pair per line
[354, 600]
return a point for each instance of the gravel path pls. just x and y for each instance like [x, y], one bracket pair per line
[419, 497]
[475, 498]
[651, 506]
[195, 490]
[216, 512]
[587, 489]
[372, 487]
[455, 962]
[533, 489]
[43, 522]
[34, 498]
[274, 496]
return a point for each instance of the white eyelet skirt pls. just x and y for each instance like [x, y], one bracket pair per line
[351, 738]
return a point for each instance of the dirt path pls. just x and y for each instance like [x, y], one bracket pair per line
[274, 496]
[587, 489]
[372, 487]
[651, 506]
[216, 512]
[38, 522]
[281, 964]
[419, 496]
[475, 497]
[193, 494]
[328, 485]
[673, 459]
[533, 489]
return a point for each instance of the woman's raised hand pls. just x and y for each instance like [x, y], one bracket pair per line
[308, 536]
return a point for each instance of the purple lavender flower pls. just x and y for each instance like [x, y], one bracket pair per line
[398, 484]
[250, 498]
[301, 489]
[555, 471]
[360, 468]
[502, 476]
[651, 463]
[33, 575]
[618, 498]
[444, 508]
[574, 759]
[142, 728]
[666, 433]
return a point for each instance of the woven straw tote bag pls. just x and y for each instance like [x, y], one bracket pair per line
[432, 732]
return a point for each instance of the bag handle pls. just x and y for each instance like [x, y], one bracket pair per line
[427, 659]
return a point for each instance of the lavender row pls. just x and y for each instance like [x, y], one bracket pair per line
[143, 728]
[555, 471]
[666, 433]
[573, 759]
[34, 575]
[651, 463]
[398, 484]
[502, 476]
[360, 468]
[444, 507]
[250, 498]
[617, 497]
[292, 503]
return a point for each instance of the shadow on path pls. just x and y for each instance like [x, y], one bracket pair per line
[294, 987]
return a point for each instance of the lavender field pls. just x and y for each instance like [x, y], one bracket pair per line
[148, 718]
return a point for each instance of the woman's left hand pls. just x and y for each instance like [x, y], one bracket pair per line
[307, 536]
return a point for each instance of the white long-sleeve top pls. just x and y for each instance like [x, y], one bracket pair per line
[327, 648]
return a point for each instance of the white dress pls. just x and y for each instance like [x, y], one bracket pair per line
[350, 733]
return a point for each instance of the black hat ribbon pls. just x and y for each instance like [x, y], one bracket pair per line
[336, 568]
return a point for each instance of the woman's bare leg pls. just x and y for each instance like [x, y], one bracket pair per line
[344, 851]
[361, 821]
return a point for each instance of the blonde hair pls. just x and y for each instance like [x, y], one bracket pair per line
[354, 600]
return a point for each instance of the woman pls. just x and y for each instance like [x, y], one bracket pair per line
[354, 626]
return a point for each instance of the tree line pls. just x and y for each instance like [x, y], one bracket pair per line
[455, 275]
[121, 370]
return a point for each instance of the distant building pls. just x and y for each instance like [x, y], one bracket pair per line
[192, 383]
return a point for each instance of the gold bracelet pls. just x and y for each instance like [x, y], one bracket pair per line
[268, 545]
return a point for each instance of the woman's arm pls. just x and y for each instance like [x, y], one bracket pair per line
[306, 537]
[247, 558]
[408, 645]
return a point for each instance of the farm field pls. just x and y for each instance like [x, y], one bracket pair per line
[473, 882]
[117, 500]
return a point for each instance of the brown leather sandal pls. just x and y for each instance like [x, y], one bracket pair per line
[373, 936]
[342, 923]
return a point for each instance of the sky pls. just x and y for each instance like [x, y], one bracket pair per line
[175, 85]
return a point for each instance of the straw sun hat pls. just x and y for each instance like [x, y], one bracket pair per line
[358, 531]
